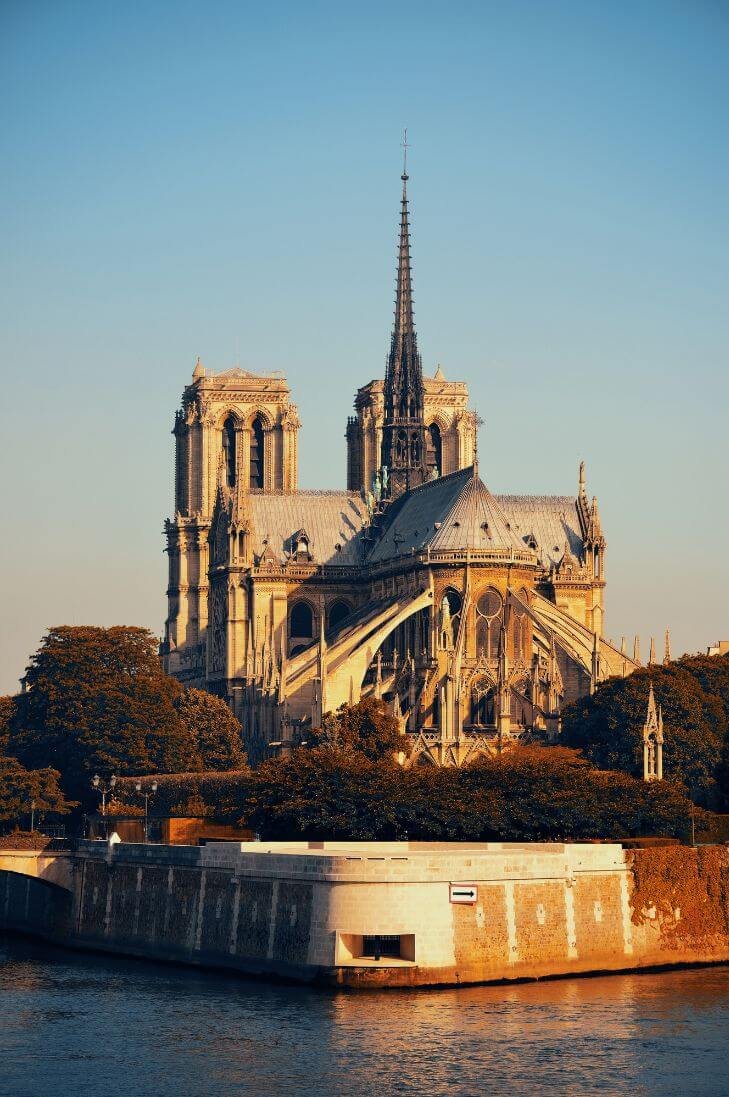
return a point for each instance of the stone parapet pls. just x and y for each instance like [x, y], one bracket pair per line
[394, 913]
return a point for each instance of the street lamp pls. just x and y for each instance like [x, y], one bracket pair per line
[148, 794]
[103, 787]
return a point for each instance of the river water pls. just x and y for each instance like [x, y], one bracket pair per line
[79, 1024]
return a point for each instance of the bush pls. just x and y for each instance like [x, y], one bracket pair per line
[529, 793]
[526, 794]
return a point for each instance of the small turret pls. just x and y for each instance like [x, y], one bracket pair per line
[595, 528]
[653, 740]
[594, 543]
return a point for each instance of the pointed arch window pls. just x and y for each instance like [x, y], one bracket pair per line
[301, 625]
[229, 450]
[257, 454]
[434, 444]
[483, 705]
[450, 617]
[338, 611]
[489, 615]
[520, 633]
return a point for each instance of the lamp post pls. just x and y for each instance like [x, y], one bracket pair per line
[105, 788]
[148, 794]
[32, 816]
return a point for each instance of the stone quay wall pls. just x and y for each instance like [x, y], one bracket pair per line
[310, 911]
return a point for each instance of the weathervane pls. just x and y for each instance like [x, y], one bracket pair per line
[405, 148]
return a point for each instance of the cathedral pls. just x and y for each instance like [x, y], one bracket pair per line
[476, 617]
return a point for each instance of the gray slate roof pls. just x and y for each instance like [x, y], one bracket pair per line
[452, 514]
[330, 518]
[552, 519]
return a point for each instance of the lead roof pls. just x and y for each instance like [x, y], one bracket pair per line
[451, 514]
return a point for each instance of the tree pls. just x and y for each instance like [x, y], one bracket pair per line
[437, 805]
[367, 728]
[712, 674]
[608, 726]
[323, 794]
[98, 700]
[7, 714]
[20, 788]
[524, 794]
[211, 725]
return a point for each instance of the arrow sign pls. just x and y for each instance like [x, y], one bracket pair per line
[464, 893]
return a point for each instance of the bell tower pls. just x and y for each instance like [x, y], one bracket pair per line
[240, 428]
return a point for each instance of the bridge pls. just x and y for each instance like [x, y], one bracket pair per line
[36, 891]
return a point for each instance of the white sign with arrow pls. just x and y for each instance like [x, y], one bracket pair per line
[464, 893]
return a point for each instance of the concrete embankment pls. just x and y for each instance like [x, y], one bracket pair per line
[381, 914]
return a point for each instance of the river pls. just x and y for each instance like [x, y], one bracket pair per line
[75, 1024]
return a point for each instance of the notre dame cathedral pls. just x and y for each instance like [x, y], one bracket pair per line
[476, 617]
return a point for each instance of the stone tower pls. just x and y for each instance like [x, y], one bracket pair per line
[236, 427]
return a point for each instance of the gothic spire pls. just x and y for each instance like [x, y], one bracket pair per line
[403, 436]
[404, 319]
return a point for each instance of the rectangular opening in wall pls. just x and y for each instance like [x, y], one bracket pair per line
[355, 948]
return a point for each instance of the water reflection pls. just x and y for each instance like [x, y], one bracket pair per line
[75, 1023]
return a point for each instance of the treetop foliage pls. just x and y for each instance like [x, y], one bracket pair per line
[20, 788]
[524, 794]
[98, 701]
[367, 728]
[694, 696]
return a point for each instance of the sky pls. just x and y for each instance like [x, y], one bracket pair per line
[222, 179]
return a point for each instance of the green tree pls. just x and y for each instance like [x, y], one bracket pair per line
[98, 701]
[211, 725]
[323, 793]
[712, 674]
[367, 728]
[608, 726]
[528, 793]
[439, 805]
[20, 787]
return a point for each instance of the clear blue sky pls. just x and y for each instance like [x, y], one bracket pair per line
[222, 179]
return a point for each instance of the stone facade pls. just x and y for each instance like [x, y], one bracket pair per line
[476, 617]
[233, 428]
